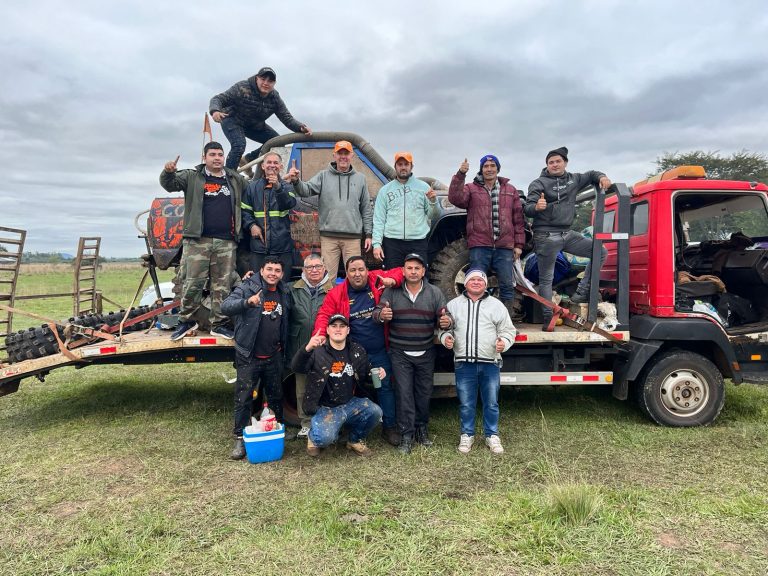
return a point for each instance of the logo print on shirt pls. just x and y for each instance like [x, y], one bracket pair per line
[213, 189]
[339, 368]
[270, 307]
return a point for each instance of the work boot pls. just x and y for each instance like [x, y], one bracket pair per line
[579, 298]
[359, 448]
[406, 445]
[238, 452]
[545, 325]
[422, 436]
[312, 450]
[391, 435]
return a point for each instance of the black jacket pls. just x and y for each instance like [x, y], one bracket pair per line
[560, 194]
[322, 390]
[247, 318]
[244, 103]
[269, 209]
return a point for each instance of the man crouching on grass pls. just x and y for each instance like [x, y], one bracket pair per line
[337, 372]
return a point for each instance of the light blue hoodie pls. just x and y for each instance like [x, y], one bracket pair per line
[403, 211]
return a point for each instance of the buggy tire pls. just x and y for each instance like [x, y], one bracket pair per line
[681, 389]
[449, 266]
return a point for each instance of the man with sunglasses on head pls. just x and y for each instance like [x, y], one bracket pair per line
[243, 110]
[307, 293]
[260, 307]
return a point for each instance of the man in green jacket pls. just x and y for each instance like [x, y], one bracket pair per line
[308, 294]
[212, 197]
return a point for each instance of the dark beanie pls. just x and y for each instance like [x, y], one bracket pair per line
[562, 151]
[487, 157]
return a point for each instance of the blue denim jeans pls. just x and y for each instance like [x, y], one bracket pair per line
[471, 377]
[361, 415]
[501, 260]
[547, 246]
[386, 394]
[236, 133]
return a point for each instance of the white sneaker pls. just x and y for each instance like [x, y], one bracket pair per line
[465, 443]
[304, 432]
[494, 443]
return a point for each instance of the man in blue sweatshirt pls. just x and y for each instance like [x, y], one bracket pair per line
[402, 215]
[551, 202]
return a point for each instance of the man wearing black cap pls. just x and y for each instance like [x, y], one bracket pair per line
[413, 311]
[243, 110]
[337, 371]
[551, 202]
[495, 223]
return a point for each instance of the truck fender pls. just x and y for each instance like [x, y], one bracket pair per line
[628, 367]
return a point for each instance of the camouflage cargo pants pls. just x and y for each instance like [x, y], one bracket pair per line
[205, 258]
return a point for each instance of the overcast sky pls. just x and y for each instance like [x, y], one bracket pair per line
[97, 97]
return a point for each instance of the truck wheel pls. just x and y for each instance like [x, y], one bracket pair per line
[449, 266]
[682, 389]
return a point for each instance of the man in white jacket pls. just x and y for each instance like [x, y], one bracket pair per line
[481, 331]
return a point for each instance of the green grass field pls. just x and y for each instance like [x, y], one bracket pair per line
[116, 470]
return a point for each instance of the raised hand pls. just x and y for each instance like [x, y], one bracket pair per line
[464, 168]
[314, 342]
[255, 300]
[387, 282]
[171, 166]
[444, 321]
[293, 173]
[541, 203]
[431, 194]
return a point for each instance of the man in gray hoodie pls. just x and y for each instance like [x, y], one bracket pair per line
[345, 211]
[551, 202]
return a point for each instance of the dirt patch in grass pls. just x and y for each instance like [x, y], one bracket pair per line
[669, 540]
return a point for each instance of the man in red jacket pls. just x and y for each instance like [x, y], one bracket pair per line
[495, 223]
[355, 298]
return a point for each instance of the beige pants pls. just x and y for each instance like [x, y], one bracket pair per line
[301, 387]
[333, 247]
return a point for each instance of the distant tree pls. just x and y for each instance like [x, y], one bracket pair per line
[3, 248]
[744, 165]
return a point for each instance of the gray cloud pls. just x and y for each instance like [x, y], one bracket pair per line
[97, 97]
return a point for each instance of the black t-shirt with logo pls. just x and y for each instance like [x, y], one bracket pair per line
[217, 209]
[268, 337]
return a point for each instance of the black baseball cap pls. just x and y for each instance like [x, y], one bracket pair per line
[266, 71]
[338, 318]
[414, 256]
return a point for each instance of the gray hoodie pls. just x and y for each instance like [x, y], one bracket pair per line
[560, 193]
[345, 206]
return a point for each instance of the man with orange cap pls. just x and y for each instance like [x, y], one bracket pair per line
[344, 209]
[402, 214]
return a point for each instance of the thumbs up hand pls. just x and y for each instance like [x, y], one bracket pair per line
[445, 320]
[293, 173]
[464, 168]
[386, 312]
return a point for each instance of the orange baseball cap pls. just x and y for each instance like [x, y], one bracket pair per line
[407, 156]
[343, 145]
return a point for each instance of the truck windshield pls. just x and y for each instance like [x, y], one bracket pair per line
[717, 217]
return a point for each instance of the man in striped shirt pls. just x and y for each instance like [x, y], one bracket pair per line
[413, 311]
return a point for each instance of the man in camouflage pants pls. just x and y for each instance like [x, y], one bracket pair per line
[212, 196]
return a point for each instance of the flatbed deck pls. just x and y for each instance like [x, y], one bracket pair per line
[156, 346]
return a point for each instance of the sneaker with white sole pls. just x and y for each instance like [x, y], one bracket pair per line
[183, 329]
[494, 443]
[465, 443]
[223, 332]
[304, 432]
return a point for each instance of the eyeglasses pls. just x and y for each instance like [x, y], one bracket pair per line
[313, 267]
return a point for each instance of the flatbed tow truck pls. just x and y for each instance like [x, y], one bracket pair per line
[674, 357]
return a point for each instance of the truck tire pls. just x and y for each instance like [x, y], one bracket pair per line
[449, 266]
[681, 389]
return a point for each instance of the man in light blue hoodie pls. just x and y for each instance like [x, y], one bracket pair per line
[404, 209]
[344, 207]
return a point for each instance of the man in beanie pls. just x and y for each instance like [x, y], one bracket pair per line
[551, 202]
[243, 110]
[495, 223]
[481, 331]
[404, 209]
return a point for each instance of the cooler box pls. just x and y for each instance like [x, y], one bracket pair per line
[263, 446]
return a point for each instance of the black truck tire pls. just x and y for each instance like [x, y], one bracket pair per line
[681, 389]
[449, 266]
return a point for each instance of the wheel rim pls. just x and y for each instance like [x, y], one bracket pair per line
[685, 392]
